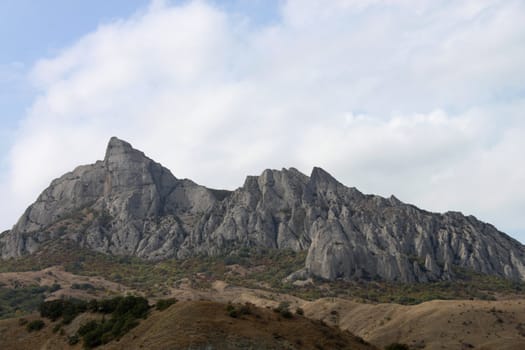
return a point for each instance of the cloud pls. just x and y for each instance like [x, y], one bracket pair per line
[421, 101]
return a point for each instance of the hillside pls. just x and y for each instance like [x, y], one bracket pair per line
[258, 280]
[202, 316]
[431, 325]
[129, 205]
[199, 325]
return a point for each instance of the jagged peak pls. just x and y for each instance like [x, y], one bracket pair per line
[118, 148]
[394, 200]
[115, 142]
[269, 176]
[320, 175]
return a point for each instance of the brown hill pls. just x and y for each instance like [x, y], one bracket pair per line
[199, 325]
[444, 324]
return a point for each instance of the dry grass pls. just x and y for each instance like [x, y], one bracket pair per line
[432, 325]
[15, 336]
[452, 324]
[199, 325]
[66, 280]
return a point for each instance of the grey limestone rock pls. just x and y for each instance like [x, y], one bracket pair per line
[137, 207]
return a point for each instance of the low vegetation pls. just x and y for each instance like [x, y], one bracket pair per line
[35, 325]
[67, 309]
[125, 313]
[236, 311]
[261, 269]
[284, 309]
[22, 300]
[163, 304]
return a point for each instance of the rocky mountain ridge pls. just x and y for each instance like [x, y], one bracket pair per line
[128, 204]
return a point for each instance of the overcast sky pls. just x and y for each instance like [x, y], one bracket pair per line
[421, 99]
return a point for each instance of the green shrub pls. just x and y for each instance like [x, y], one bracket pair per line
[245, 309]
[231, 310]
[35, 325]
[92, 305]
[286, 314]
[55, 287]
[108, 306]
[52, 309]
[284, 309]
[236, 311]
[68, 309]
[72, 340]
[20, 299]
[87, 327]
[124, 314]
[163, 304]
[131, 305]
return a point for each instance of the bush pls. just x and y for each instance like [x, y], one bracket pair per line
[163, 304]
[108, 306]
[124, 314]
[286, 314]
[124, 311]
[284, 309]
[55, 287]
[235, 312]
[68, 309]
[35, 325]
[131, 305]
[92, 305]
[231, 310]
[72, 340]
[396, 346]
[245, 309]
[87, 327]
[20, 299]
[52, 309]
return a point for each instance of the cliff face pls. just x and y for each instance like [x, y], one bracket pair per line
[138, 207]
[128, 204]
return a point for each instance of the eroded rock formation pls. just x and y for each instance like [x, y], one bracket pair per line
[128, 204]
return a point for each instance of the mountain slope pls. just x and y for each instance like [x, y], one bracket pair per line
[129, 205]
[197, 325]
[443, 324]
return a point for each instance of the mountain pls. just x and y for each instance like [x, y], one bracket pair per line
[128, 204]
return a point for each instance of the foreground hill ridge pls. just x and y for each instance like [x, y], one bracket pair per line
[196, 324]
[128, 204]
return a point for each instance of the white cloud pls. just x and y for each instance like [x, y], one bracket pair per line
[421, 101]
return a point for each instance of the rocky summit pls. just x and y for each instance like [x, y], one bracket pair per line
[128, 204]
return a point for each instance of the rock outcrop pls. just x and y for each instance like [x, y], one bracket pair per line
[129, 205]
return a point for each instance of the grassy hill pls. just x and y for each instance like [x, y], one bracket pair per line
[450, 324]
[474, 310]
[197, 325]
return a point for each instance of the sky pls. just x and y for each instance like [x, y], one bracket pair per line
[424, 100]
